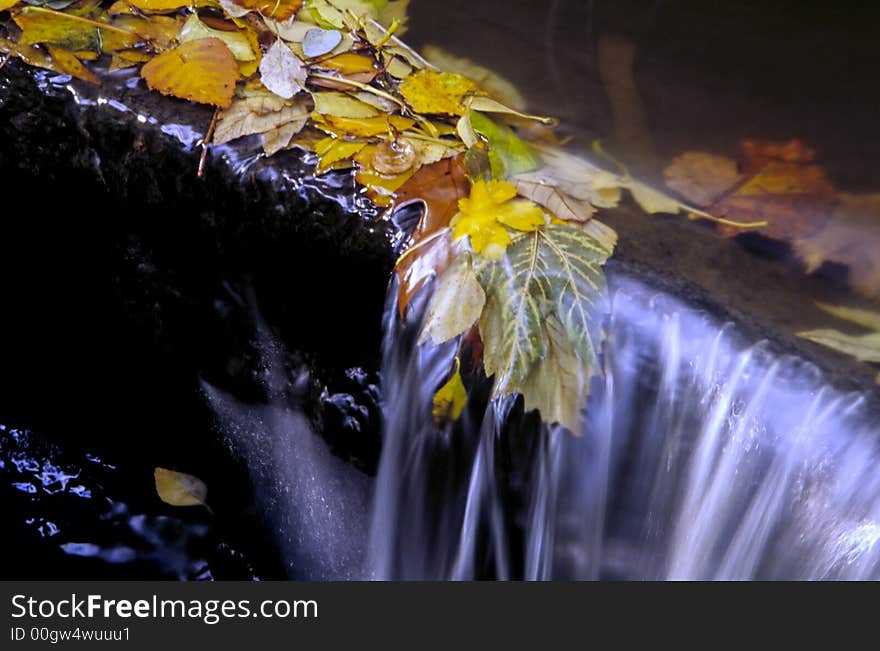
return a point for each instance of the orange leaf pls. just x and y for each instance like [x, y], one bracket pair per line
[203, 71]
[439, 186]
[279, 10]
[783, 187]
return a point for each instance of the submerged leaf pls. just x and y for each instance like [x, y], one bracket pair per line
[69, 64]
[202, 71]
[318, 42]
[450, 399]
[179, 489]
[700, 177]
[281, 71]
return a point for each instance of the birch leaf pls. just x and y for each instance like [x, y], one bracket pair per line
[73, 33]
[429, 91]
[492, 83]
[340, 105]
[541, 320]
[69, 64]
[456, 304]
[258, 114]
[450, 399]
[281, 71]
[202, 71]
[276, 9]
[194, 29]
[179, 489]
[280, 137]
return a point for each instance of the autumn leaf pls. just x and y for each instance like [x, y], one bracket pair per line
[73, 33]
[341, 105]
[540, 323]
[237, 42]
[429, 91]
[508, 154]
[275, 9]
[261, 114]
[439, 187]
[318, 42]
[202, 71]
[551, 197]
[8, 4]
[334, 150]
[281, 71]
[700, 177]
[67, 63]
[486, 214]
[450, 399]
[863, 347]
[363, 127]
[488, 81]
[159, 6]
[456, 304]
[850, 237]
[180, 489]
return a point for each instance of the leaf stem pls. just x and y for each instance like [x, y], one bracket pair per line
[5, 60]
[209, 135]
[361, 86]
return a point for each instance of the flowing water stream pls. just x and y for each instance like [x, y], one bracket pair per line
[705, 456]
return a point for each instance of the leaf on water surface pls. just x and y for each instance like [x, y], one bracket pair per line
[508, 154]
[203, 71]
[450, 399]
[159, 6]
[863, 347]
[488, 81]
[281, 71]
[341, 105]
[73, 33]
[457, 302]
[260, 113]
[237, 41]
[180, 489]
[551, 197]
[9, 4]
[429, 91]
[334, 150]
[540, 325]
[376, 125]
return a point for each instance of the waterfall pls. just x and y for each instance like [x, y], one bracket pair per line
[704, 456]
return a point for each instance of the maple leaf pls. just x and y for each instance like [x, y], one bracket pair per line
[202, 71]
[484, 215]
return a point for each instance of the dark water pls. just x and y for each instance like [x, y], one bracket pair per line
[84, 391]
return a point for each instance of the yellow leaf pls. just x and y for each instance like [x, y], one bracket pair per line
[341, 105]
[450, 399]
[332, 150]
[161, 31]
[237, 42]
[363, 127]
[159, 6]
[202, 71]
[429, 91]
[483, 215]
[179, 489]
[275, 9]
[8, 4]
[494, 84]
[40, 25]
[70, 65]
[257, 114]
[350, 63]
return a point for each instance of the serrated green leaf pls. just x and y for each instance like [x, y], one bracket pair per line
[540, 322]
[508, 154]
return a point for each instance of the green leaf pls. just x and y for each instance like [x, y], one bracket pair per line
[508, 154]
[540, 323]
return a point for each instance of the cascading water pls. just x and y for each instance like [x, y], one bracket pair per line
[703, 457]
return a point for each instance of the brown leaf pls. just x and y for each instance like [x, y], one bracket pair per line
[203, 71]
[850, 237]
[783, 187]
[700, 177]
[275, 9]
[439, 186]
